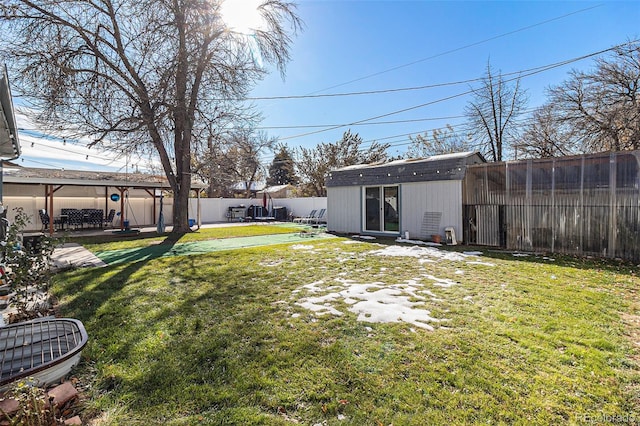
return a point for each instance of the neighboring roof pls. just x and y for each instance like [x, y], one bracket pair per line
[276, 188]
[435, 168]
[9, 143]
[242, 186]
[26, 175]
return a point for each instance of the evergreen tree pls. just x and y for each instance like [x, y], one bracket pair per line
[282, 169]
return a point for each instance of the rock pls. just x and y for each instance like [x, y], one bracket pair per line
[62, 393]
[9, 406]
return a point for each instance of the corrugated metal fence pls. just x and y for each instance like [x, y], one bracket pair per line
[581, 205]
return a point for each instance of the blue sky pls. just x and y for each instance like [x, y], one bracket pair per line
[445, 41]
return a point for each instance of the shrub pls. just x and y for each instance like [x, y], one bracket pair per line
[27, 268]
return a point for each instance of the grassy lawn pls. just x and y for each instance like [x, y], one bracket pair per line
[284, 334]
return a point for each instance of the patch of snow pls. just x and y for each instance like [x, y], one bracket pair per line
[321, 305]
[364, 237]
[482, 263]
[268, 264]
[372, 302]
[468, 298]
[301, 247]
[419, 242]
[550, 259]
[520, 255]
[472, 253]
[418, 252]
[441, 282]
[459, 272]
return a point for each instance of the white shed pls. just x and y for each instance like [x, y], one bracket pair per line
[420, 196]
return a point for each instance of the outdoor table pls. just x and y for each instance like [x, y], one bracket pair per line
[63, 219]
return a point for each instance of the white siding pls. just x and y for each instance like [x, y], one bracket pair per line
[343, 209]
[440, 196]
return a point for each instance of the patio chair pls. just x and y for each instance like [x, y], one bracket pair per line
[45, 219]
[108, 221]
[95, 218]
[305, 218]
[76, 218]
[319, 219]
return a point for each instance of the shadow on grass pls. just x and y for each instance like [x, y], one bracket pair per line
[209, 336]
[148, 339]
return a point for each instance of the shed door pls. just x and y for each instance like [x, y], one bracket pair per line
[381, 209]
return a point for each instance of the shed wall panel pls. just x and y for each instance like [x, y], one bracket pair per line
[444, 197]
[344, 209]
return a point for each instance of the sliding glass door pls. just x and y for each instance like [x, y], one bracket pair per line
[381, 209]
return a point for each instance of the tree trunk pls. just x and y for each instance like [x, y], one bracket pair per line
[181, 207]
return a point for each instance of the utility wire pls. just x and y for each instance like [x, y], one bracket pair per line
[403, 141]
[468, 92]
[457, 49]
[44, 164]
[87, 156]
[520, 73]
[363, 124]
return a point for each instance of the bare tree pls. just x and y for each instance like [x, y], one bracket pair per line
[314, 164]
[242, 159]
[139, 75]
[233, 160]
[441, 141]
[493, 111]
[546, 136]
[602, 106]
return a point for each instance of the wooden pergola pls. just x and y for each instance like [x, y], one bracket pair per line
[53, 180]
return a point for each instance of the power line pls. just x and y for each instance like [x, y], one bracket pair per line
[404, 141]
[87, 156]
[459, 48]
[468, 92]
[391, 90]
[43, 163]
[363, 124]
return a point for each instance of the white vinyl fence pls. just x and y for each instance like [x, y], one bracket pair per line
[140, 210]
[215, 209]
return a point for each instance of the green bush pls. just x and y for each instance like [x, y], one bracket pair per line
[26, 268]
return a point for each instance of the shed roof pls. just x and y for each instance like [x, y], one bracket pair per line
[27, 175]
[434, 168]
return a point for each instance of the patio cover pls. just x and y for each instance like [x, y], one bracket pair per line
[9, 144]
[54, 179]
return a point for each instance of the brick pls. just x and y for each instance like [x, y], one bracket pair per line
[62, 393]
[9, 406]
[73, 421]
